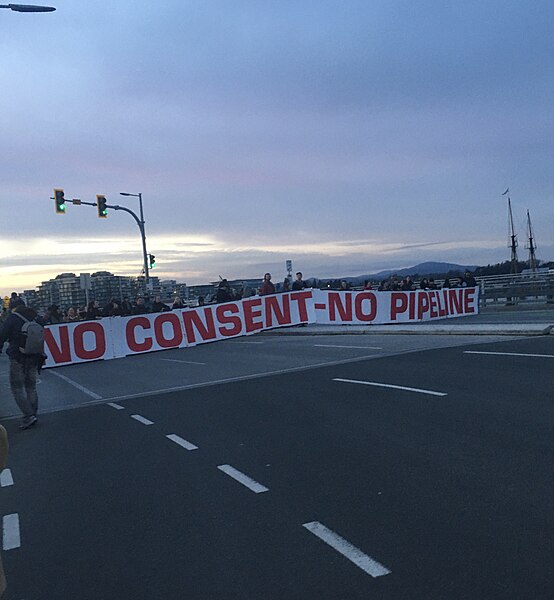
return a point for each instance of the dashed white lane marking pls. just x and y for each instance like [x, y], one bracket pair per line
[11, 536]
[344, 547]
[142, 420]
[76, 385]
[188, 362]
[179, 440]
[116, 406]
[394, 387]
[6, 478]
[355, 347]
[256, 487]
[510, 354]
[250, 343]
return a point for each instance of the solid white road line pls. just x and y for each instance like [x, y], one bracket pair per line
[257, 343]
[116, 406]
[355, 347]
[394, 387]
[142, 420]
[244, 479]
[75, 384]
[188, 362]
[179, 440]
[193, 386]
[11, 535]
[6, 478]
[365, 562]
[510, 354]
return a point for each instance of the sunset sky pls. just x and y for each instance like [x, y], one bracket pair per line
[349, 136]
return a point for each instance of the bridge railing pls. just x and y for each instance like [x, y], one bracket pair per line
[516, 288]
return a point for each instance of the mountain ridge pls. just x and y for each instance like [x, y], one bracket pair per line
[426, 268]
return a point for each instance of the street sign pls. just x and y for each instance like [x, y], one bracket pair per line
[84, 279]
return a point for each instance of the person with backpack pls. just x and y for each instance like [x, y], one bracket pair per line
[25, 335]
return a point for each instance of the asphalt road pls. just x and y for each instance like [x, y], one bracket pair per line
[353, 490]
[225, 361]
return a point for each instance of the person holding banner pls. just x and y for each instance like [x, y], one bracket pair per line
[267, 286]
[299, 284]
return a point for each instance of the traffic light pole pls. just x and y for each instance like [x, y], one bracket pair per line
[140, 223]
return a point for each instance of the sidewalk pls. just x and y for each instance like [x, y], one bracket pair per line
[525, 320]
[436, 328]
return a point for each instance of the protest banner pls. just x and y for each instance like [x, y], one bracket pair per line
[116, 337]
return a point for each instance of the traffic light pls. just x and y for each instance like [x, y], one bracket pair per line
[152, 260]
[101, 204]
[60, 201]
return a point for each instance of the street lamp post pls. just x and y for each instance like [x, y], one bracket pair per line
[143, 235]
[27, 8]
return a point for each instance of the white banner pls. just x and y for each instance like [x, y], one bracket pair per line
[115, 337]
[334, 307]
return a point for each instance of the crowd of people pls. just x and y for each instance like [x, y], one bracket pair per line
[226, 293]
[114, 308]
[407, 284]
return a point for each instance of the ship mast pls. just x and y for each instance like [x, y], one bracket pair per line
[532, 246]
[513, 239]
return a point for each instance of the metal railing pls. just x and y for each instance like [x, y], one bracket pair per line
[516, 288]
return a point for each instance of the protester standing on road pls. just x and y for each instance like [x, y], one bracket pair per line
[72, 315]
[15, 300]
[93, 310]
[223, 293]
[139, 308]
[267, 286]
[470, 279]
[298, 284]
[53, 315]
[26, 353]
[177, 303]
[159, 306]
[126, 306]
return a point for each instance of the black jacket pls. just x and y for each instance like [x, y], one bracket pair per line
[158, 307]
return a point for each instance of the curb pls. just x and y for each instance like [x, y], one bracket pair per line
[524, 329]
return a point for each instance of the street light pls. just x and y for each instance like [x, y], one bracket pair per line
[27, 8]
[144, 254]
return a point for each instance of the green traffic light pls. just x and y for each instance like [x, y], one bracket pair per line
[60, 201]
[101, 204]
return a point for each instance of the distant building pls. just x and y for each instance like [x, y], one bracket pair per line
[183, 291]
[70, 292]
[152, 289]
[49, 293]
[106, 286]
[32, 299]
[65, 290]
[168, 289]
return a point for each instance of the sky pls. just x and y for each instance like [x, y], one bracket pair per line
[347, 136]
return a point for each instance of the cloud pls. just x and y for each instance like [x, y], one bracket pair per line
[338, 134]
